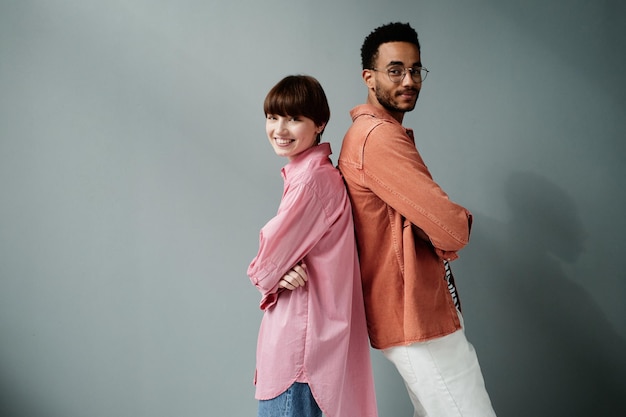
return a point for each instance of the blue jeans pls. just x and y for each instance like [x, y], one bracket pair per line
[297, 401]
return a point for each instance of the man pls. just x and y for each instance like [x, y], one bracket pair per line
[407, 230]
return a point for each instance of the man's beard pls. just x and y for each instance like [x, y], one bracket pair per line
[385, 100]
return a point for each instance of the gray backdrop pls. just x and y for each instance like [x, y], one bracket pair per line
[135, 176]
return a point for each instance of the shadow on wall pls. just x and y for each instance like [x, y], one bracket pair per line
[547, 344]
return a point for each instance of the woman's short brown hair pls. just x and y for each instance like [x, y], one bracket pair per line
[298, 95]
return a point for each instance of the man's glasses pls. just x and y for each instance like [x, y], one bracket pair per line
[396, 73]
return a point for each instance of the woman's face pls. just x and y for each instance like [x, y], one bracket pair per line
[291, 135]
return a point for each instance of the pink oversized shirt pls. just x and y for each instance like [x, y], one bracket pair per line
[315, 334]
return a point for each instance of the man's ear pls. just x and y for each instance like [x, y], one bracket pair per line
[368, 78]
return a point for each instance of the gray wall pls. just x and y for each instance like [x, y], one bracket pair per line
[135, 175]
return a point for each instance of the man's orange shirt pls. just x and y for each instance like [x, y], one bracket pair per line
[405, 227]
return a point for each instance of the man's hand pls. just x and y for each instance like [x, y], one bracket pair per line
[294, 278]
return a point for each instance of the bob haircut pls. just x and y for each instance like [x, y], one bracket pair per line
[298, 95]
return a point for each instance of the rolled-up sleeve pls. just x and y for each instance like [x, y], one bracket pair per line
[286, 239]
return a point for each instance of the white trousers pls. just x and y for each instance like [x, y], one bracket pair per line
[443, 377]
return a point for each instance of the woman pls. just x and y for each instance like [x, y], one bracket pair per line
[312, 351]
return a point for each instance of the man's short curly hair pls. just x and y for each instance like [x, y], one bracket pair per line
[391, 32]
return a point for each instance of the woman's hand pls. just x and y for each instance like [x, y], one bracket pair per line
[294, 278]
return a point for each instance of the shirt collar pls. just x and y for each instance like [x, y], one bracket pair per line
[371, 110]
[301, 161]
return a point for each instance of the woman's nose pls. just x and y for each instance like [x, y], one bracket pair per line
[281, 125]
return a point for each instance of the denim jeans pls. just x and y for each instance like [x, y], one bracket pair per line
[297, 401]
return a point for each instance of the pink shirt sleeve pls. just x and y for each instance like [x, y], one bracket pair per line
[286, 239]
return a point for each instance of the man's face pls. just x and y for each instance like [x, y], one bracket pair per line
[396, 98]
